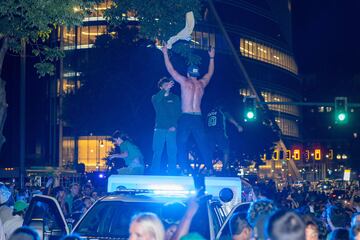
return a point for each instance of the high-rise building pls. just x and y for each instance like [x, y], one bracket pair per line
[259, 29]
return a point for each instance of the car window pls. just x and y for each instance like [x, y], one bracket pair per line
[241, 209]
[111, 219]
[43, 214]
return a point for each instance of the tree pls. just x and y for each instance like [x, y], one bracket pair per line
[158, 20]
[33, 21]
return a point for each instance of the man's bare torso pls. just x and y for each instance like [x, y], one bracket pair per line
[192, 91]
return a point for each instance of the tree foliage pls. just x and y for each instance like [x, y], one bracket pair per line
[33, 21]
[158, 20]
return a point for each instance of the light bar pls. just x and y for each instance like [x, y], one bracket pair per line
[175, 185]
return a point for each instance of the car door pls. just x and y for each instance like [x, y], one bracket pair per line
[45, 216]
[224, 232]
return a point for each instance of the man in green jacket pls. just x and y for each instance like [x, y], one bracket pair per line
[167, 108]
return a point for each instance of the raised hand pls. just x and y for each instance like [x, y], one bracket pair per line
[211, 52]
[164, 49]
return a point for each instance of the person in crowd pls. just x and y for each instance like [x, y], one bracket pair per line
[190, 121]
[130, 153]
[23, 194]
[78, 210]
[311, 227]
[172, 214]
[285, 225]
[257, 215]
[355, 220]
[71, 237]
[25, 233]
[339, 234]
[217, 131]
[167, 109]
[72, 196]
[17, 220]
[337, 217]
[60, 194]
[146, 226]
[355, 232]
[5, 209]
[183, 228]
[240, 229]
[95, 196]
[2, 234]
[88, 202]
[87, 190]
[355, 200]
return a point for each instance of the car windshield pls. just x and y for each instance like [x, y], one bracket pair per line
[112, 219]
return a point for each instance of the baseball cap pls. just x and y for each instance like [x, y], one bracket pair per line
[20, 206]
[193, 71]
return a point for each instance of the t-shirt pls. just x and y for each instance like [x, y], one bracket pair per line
[133, 152]
[167, 109]
[12, 224]
[216, 121]
[5, 213]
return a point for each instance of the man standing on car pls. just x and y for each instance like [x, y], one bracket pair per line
[190, 122]
[167, 108]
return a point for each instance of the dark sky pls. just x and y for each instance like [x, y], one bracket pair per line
[326, 36]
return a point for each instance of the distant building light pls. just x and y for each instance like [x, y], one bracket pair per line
[93, 19]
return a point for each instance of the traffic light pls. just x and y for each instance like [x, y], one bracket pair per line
[250, 108]
[341, 113]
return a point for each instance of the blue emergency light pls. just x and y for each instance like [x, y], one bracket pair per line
[180, 186]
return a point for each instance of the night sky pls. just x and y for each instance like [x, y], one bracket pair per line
[326, 38]
[326, 45]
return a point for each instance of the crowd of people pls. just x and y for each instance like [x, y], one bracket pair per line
[287, 214]
[299, 213]
[74, 201]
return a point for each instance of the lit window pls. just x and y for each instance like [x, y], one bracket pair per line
[288, 127]
[252, 49]
[202, 40]
[321, 109]
[91, 151]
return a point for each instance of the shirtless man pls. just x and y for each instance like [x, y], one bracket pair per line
[190, 122]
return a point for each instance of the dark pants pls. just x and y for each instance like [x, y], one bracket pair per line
[192, 124]
[219, 141]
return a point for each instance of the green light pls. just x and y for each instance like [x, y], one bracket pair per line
[341, 116]
[250, 115]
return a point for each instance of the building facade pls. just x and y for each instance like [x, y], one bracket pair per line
[261, 32]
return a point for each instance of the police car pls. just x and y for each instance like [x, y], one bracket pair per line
[110, 216]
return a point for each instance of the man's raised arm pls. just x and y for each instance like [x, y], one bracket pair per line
[206, 78]
[177, 77]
